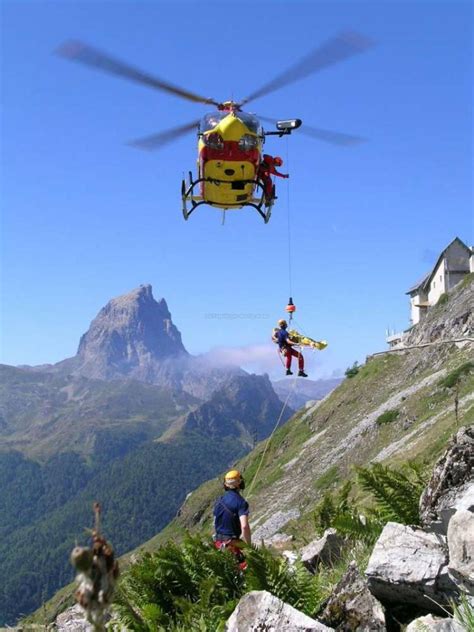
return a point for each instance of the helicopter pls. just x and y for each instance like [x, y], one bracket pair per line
[230, 140]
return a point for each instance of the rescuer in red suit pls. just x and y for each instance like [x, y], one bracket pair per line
[266, 169]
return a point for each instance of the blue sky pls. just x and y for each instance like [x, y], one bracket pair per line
[85, 217]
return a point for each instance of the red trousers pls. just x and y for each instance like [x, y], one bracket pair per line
[234, 549]
[267, 183]
[289, 352]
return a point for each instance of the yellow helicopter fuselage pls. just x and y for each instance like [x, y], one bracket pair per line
[228, 162]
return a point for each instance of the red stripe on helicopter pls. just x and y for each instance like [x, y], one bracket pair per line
[231, 151]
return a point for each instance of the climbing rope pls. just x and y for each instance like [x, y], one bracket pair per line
[279, 354]
[267, 443]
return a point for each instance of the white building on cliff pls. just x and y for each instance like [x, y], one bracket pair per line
[452, 265]
[454, 262]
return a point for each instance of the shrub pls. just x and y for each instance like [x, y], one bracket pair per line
[453, 378]
[443, 299]
[352, 370]
[328, 478]
[468, 279]
[387, 417]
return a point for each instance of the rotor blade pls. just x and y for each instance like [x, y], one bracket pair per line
[328, 136]
[335, 138]
[336, 49]
[84, 54]
[156, 141]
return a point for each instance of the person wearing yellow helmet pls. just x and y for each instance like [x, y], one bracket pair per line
[285, 343]
[231, 516]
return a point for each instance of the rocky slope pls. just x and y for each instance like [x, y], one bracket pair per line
[413, 576]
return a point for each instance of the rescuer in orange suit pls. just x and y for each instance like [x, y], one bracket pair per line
[266, 169]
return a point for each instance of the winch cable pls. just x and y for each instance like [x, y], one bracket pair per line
[288, 228]
[290, 285]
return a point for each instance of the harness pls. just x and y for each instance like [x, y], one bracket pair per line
[232, 544]
[233, 514]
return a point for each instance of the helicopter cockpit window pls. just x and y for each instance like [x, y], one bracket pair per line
[250, 121]
[209, 121]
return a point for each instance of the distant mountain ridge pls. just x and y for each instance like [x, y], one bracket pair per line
[244, 408]
[305, 391]
[43, 413]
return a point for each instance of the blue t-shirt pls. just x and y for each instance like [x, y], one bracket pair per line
[282, 337]
[227, 512]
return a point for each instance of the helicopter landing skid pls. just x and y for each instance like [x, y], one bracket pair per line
[261, 205]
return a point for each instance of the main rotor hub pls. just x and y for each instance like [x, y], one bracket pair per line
[229, 106]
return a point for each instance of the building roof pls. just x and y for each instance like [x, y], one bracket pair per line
[424, 282]
[419, 284]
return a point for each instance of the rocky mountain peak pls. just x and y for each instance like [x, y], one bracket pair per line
[129, 337]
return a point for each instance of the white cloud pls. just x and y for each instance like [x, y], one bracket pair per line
[261, 358]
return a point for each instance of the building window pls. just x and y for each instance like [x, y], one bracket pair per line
[440, 277]
[434, 284]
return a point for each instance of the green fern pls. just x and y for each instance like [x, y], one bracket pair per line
[196, 587]
[358, 527]
[396, 492]
[330, 507]
[192, 586]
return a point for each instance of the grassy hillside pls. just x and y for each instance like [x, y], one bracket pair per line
[42, 413]
[316, 449]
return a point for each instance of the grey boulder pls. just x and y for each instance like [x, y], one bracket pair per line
[72, 620]
[461, 549]
[259, 610]
[451, 486]
[352, 606]
[409, 566]
[434, 624]
[325, 550]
